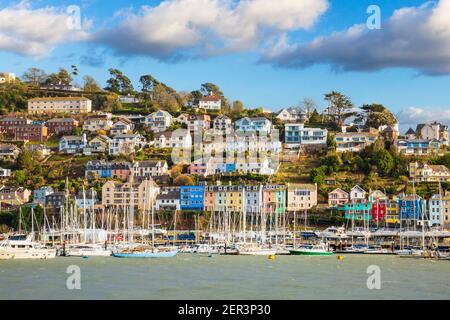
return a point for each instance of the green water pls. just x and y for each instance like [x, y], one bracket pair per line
[227, 277]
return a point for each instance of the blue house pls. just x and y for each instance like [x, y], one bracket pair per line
[39, 195]
[410, 207]
[226, 168]
[192, 197]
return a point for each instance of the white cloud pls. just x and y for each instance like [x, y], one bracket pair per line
[193, 28]
[413, 37]
[35, 32]
[414, 115]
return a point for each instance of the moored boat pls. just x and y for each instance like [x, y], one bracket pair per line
[142, 252]
[87, 250]
[311, 250]
[22, 247]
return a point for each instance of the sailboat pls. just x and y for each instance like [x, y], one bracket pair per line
[143, 251]
[88, 249]
[311, 250]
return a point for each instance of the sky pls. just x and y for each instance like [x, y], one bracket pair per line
[266, 53]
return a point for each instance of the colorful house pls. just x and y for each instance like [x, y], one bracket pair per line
[410, 207]
[337, 197]
[192, 198]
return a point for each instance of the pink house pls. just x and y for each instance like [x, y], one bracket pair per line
[337, 197]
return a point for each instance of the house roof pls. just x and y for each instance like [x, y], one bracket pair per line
[149, 163]
[410, 131]
[60, 99]
[60, 120]
[339, 190]
[359, 188]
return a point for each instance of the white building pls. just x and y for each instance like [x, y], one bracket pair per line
[99, 144]
[126, 144]
[72, 144]
[95, 123]
[439, 207]
[158, 121]
[122, 126]
[168, 199]
[357, 195]
[50, 105]
[5, 173]
[7, 77]
[293, 114]
[210, 102]
[150, 168]
[180, 139]
[354, 141]
[296, 135]
[261, 125]
[223, 125]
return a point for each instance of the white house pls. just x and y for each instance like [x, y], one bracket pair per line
[261, 167]
[159, 121]
[210, 102]
[72, 144]
[96, 123]
[223, 125]
[432, 131]
[354, 141]
[168, 199]
[126, 144]
[357, 195]
[150, 168]
[181, 139]
[5, 173]
[246, 124]
[438, 207]
[122, 126]
[99, 144]
[296, 135]
[293, 114]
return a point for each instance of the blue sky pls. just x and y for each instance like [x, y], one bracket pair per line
[253, 70]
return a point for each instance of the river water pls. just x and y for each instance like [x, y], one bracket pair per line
[227, 277]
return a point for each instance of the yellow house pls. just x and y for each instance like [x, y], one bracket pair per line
[392, 212]
[301, 197]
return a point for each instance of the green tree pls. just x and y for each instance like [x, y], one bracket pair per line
[119, 83]
[376, 115]
[384, 161]
[339, 107]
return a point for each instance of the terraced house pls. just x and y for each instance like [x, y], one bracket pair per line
[53, 105]
[126, 195]
[301, 197]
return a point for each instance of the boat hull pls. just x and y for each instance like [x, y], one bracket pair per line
[145, 255]
[309, 253]
[39, 254]
[258, 253]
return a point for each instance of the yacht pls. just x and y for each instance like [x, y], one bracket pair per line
[88, 250]
[332, 233]
[146, 252]
[23, 247]
[311, 250]
[254, 250]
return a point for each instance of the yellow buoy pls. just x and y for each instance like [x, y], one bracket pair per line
[272, 257]
[340, 258]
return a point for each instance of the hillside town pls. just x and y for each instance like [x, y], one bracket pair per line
[63, 152]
